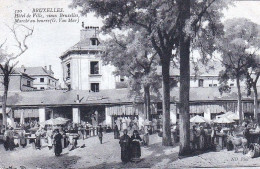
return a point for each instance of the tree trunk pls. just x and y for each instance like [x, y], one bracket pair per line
[239, 103]
[167, 141]
[184, 80]
[6, 82]
[147, 102]
[255, 102]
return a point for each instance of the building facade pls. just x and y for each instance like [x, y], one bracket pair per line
[43, 78]
[82, 66]
[18, 82]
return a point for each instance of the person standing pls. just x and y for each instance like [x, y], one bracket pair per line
[38, 139]
[202, 135]
[213, 135]
[22, 138]
[57, 143]
[146, 136]
[116, 132]
[135, 146]
[6, 139]
[193, 138]
[11, 139]
[125, 147]
[100, 133]
[49, 135]
[246, 134]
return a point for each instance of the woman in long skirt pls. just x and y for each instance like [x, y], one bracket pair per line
[57, 143]
[116, 132]
[6, 139]
[202, 138]
[125, 147]
[49, 136]
[135, 146]
[22, 139]
[38, 140]
[11, 139]
[100, 133]
[146, 136]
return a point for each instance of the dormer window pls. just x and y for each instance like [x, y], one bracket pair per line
[94, 42]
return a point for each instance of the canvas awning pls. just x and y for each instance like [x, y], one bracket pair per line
[120, 110]
[26, 113]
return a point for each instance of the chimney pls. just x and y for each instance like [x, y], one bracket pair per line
[88, 32]
[50, 68]
[23, 69]
[45, 67]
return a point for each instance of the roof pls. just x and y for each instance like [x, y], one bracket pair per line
[81, 47]
[35, 71]
[17, 73]
[212, 69]
[209, 94]
[113, 96]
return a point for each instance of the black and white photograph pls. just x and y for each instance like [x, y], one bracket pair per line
[105, 84]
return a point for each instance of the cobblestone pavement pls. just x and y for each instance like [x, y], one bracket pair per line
[107, 155]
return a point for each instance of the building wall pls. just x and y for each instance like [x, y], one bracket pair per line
[213, 82]
[46, 84]
[24, 83]
[17, 83]
[80, 76]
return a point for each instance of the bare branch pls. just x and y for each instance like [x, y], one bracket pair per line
[3, 44]
[21, 45]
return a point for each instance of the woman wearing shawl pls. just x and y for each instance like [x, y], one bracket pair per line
[57, 143]
[135, 146]
[125, 147]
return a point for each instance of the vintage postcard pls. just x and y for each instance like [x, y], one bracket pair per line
[129, 84]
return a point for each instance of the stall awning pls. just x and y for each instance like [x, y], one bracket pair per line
[27, 113]
[121, 110]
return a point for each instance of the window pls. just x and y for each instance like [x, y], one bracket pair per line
[49, 81]
[215, 85]
[231, 84]
[201, 82]
[41, 79]
[94, 87]
[210, 85]
[42, 88]
[68, 71]
[28, 83]
[94, 68]
[122, 78]
[94, 41]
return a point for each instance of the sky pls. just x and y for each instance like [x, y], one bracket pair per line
[50, 40]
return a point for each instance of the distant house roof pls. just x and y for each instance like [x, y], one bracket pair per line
[212, 68]
[113, 96]
[18, 73]
[35, 71]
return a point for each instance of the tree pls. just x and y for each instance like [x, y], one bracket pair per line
[6, 66]
[135, 59]
[237, 47]
[160, 21]
[252, 77]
